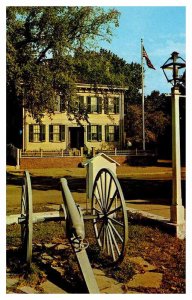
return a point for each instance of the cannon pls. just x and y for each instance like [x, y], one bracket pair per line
[108, 214]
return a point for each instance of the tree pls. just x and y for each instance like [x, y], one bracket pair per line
[157, 119]
[105, 67]
[41, 45]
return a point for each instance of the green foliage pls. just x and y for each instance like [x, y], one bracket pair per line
[105, 67]
[157, 118]
[41, 45]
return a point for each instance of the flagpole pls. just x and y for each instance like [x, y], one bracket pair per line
[143, 92]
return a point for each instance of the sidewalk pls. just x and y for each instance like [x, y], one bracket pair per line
[146, 206]
[156, 214]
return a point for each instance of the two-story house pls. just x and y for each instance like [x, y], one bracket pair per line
[104, 129]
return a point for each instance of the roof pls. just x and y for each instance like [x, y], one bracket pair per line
[105, 156]
[102, 87]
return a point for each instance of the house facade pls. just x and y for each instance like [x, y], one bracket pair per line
[104, 128]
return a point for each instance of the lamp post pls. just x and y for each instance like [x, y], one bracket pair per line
[172, 69]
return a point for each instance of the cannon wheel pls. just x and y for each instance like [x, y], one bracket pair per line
[26, 214]
[110, 222]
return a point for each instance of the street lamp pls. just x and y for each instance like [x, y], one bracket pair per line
[173, 69]
[174, 72]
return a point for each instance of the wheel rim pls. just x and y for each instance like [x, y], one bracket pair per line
[26, 213]
[111, 223]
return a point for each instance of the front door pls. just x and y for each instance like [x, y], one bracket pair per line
[76, 137]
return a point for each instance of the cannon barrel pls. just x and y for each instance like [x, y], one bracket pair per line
[73, 213]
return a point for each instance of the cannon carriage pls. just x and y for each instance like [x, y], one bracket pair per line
[108, 215]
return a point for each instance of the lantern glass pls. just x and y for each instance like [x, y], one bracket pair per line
[173, 69]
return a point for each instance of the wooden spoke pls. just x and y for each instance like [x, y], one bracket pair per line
[114, 241]
[111, 229]
[117, 222]
[113, 210]
[102, 192]
[112, 200]
[98, 201]
[100, 230]
[109, 191]
[115, 230]
[111, 247]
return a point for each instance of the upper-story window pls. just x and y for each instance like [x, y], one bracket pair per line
[94, 105]
[36, 133]
[112, 105]
[60, 104]
[77, 104]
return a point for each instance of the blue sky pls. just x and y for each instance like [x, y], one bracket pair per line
[163, 31]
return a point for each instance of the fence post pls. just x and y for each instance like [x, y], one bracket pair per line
[61, 152]
[41, 152]
[115, 151]
[93, 151]
[18, 158]
[81, 151]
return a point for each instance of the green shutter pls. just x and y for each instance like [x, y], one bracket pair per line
[81, 102]
[99, 132]
[106, 106]
[30, 133]
[116, 99]
[116, 133]
[51, 133]
[62, 132]
[89, 133]
[88, 105]
[42, 133]
[69, 109]
[99, 105]
[107, 133]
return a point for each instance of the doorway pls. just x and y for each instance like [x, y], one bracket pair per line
[76, 137]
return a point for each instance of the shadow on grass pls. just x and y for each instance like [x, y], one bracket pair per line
[45, 183]
[155, 191]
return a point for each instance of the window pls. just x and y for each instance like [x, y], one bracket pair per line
[112, 105]
[76, 105]
[80, 102]
[36, 133]
[111, 133]
[94, 105]
[56, 133]
[60, 103]
[94, 133]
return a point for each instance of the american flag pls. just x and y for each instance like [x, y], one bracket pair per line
[148, 62]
